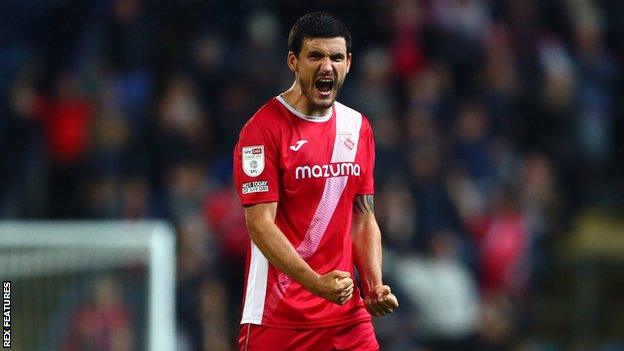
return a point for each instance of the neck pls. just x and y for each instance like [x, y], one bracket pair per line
[295, 97]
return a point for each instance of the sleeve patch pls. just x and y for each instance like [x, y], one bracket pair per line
[253, 160]
[259, 186]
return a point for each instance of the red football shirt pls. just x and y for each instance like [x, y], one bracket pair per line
[313, 167]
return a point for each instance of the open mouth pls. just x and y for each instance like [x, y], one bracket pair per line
[324, 86]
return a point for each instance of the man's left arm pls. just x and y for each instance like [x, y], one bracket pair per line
[366, 235]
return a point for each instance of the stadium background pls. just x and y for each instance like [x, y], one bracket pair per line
[499, 157]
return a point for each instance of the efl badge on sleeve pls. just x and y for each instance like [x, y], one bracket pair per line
[253, 160]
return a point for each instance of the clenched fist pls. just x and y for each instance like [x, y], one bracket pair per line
[335, 286]
[380, 300]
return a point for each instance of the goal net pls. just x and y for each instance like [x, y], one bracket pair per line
[89, 285]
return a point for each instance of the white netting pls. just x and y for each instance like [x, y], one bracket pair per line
[90, 285]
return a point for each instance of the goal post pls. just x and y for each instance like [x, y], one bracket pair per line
[61, 273]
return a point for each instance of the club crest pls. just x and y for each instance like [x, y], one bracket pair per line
[345, 138]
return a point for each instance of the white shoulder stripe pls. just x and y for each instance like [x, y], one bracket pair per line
[348, 124]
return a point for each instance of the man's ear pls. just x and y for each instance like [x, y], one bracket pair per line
[292, 61]
[349, 57]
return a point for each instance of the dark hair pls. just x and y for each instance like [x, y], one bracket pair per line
[317, 25]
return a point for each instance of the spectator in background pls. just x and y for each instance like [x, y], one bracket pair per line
[443, 294]
[23, 166]
[434, 209]
[595, 73]
[196, 266]
[213, 314]
[66, 117]
[374, 89]
[182, 129]
[396, 212]
[104, 323]
[502, 241]
[230, 235]
[471, 150]
[127, 44]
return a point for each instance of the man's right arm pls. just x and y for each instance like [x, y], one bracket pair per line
[335, 286]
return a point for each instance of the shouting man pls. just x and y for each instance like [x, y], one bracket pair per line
[303, 169]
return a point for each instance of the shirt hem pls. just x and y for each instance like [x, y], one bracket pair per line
[318, 325]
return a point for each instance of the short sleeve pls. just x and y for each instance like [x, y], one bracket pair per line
[256, 164]
[367, 147]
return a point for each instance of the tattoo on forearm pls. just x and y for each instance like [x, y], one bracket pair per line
[364, 204]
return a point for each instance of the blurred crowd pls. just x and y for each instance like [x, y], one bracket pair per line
[495, 123]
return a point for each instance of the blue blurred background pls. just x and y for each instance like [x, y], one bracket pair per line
[500, 186]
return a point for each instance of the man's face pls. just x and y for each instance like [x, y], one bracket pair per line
[321, 67]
